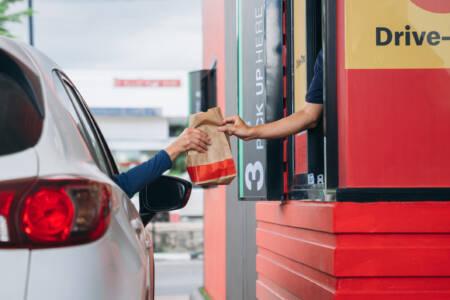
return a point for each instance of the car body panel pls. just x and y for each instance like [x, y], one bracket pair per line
[19, 51]
[13, 277]
[19, 165]
[117, 265]
[105, 269]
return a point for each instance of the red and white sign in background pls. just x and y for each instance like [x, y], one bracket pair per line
[147, 82]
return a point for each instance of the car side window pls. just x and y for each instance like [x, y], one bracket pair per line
[90, 131]
[100, 138]
[65, 100]
[73, 106]
[106, 149]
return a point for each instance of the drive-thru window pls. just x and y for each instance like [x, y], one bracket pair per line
[278, 45]
[380, 74]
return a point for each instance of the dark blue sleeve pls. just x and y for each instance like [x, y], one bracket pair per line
[315, 89]
[136, 178]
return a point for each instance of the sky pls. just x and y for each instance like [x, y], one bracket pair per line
[117, 34]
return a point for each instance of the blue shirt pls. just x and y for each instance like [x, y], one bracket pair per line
[315, 89]
[136, 178]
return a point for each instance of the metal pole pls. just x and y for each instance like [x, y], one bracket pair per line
[30, 23]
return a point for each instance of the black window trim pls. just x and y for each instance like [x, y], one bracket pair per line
[110, 165]
[298, 184]
[82, 125]
[99, 134]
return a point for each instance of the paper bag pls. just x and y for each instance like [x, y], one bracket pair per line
[215, 166]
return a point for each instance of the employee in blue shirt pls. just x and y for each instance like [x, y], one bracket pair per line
[307, 117]
[136, 178]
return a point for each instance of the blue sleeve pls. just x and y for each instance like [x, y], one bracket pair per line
[136, 178]
[315, 89]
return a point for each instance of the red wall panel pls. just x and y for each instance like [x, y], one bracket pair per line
[215, 199]
[301, 153]
[396, 130]
[267, 289]
[393, 124]
[353, 251]
[215, 243]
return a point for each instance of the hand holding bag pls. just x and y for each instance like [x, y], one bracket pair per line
[215, 166]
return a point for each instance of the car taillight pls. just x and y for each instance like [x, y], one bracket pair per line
[48, 215]
[5, 202]
[53, 212]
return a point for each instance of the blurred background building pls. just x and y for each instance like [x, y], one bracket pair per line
[130, 61]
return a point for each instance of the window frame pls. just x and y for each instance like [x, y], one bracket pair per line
[321, 142]
[107, 151]
[81, 108]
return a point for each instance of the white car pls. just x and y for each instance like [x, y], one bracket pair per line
[67, 230]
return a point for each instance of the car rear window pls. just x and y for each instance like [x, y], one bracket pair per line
[20, 121]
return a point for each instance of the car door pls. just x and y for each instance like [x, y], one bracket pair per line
[106, 161]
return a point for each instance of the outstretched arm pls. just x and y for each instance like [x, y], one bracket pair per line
[136, 178]
[307, 117]
[190, 139]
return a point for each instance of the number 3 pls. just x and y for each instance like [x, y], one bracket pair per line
[252, 169]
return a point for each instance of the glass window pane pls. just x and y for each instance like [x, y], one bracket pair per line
[88, 131]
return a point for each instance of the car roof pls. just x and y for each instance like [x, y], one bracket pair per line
[55, 150]
[29, 56]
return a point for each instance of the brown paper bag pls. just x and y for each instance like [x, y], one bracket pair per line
[215, 166]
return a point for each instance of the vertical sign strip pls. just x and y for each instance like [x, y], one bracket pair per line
[240, 110]
[252, 96]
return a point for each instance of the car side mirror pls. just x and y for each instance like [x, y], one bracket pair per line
[164, 194]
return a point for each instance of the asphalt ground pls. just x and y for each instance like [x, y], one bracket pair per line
[177, 279]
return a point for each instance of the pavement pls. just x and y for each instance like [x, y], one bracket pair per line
[177, 279]
[172, 297]
[195, 295]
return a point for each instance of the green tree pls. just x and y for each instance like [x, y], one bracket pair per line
[6, 17]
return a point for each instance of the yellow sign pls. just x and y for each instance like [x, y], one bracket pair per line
[299, 53]
[395, 34]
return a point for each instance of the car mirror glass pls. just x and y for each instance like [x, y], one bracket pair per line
[164, 194]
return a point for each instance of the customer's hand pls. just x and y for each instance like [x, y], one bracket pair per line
[190, 139]
[235, 126]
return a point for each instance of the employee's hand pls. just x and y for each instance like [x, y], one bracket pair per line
[190, 139]
[235, 126]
